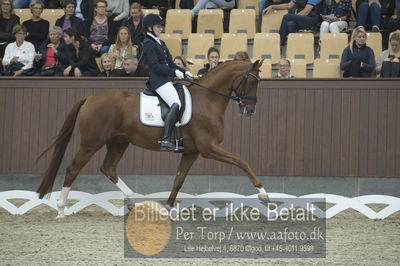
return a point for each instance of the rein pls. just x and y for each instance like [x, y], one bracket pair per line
[239, 97]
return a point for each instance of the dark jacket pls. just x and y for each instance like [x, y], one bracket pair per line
[76, 23]
[6, 36]
[86, 61]
[341, 9]
[87, 8]
[365, 54]
[62, 56]
[121, 73]
[112, 30]
[159, 61]
[137, 35]
[38, 32]
[204, 70]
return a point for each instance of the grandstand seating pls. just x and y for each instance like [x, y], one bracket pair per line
[272, 21]
[248, 4]
[326, 68]
[52, 15]
[195, 66]
[298, 68]
[211, 21]
[300, 46]
[266, 69]
[173, 42]
[150, 11]
[24, 14]
[332, 45]
[267, 46]
[374, 40]
[243, 21]
[232, 43]
[179, 21]
[198, 45]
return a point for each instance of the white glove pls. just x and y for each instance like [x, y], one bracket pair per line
[179, 74]
[188, 74]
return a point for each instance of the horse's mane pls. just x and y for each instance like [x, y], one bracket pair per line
[222, 65]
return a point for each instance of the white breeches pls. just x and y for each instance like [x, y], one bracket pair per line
[168, 93]
[333, 27]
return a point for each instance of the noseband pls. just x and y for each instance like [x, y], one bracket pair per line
[240, 91]
[241, 88]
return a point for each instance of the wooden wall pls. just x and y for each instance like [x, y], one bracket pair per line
[303, 127]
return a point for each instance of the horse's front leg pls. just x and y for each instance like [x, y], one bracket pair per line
[216, 152]
[186, 163]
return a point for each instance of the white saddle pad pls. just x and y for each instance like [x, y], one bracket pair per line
[150, 111]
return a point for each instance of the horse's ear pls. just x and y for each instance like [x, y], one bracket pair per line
[258, 63]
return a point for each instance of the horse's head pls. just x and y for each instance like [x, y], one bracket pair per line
[246, 89]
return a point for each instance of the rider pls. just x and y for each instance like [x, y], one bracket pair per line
[162, 69]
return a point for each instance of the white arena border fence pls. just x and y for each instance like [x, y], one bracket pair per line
[84, 200]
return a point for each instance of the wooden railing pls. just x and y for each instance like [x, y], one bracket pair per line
[303, 127]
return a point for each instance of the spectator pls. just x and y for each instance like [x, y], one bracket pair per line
[122, 47]
[118, 9]
[52, 58]
[131, 68]
[358, 59]
[22, 3]
[134, 24]
[263, 4]
[19, 55]
[7, 22]
[307, 16]
[335, 16]
[100, 29]
[38, 28]
[106, 65]
[81, 58]
[241, 55]
[389, 61]
[69, 20]
[83, 8]
[371, 12]
[390, 20]
[201, 4]
[213, 60]
[179, 61]
[284, 69]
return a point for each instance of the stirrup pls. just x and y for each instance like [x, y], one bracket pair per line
[167, 145]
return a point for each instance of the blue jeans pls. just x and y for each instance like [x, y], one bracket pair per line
[368, 16]
[293, 23]
[23, 3]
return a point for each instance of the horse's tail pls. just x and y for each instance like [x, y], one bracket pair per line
[60, 145]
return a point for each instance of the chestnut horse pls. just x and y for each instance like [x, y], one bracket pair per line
[111, 118]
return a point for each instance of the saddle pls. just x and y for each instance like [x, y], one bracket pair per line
[153, 110]
[164, 106]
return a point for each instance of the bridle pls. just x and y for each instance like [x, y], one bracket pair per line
[240, 97]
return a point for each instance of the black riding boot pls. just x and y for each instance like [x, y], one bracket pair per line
[170, 121]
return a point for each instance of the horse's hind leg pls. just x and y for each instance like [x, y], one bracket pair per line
[218, 153]
[186, 163]
[80, 160]
[115, 149]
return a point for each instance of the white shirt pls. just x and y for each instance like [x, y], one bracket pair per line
[26, 54]
[154, 37]
[78, 12]
[120, 7]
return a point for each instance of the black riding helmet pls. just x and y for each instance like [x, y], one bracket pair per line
[151, 20]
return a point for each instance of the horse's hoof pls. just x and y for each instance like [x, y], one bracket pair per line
[263, 197]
